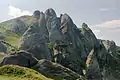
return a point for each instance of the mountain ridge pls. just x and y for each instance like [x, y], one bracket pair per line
[48, 39]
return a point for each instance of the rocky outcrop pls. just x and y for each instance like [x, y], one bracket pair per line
[56, 71]
[71, 52]
[34, 39]
[36, 14]
[92, 41]
[21, 58]
[43, 27]
[45, 67]
[1, 37]
[92, 67]
[76, 49]
[110, 46]
[18, 26]
[108, 60]
[53, 26]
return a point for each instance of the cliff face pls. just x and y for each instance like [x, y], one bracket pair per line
[58, 39]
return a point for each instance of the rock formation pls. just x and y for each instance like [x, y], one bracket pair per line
[58, 71]
[53, 26]
[18, 26]
[21, 58]
[57, 39]
[92, 67]
[36, 14]
[45, 67]
[34, 39]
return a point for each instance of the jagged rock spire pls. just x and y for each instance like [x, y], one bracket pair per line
[50, 12]
[92, 67]
[66, 18]
[36, 14]
[53, 26]
[34, 39]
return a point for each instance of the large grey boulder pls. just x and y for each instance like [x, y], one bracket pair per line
[34, 39]
[56, 71]
[21, 58]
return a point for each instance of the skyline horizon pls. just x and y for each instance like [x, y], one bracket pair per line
[101, 16]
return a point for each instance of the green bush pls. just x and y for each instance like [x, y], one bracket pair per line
[84, 29]
[118, 50]
[84, 26]
[50, 46]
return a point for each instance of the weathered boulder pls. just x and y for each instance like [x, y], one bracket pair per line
[34, 39]
[21, 58]
[56, 71]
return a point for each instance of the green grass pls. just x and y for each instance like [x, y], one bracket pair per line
[4, 27]
[9, 78]
[2, 30]
[12, 39]
[9, 37]
[12, 72]
[50, 46]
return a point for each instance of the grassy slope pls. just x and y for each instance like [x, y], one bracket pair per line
[12, 39]
[10, 72]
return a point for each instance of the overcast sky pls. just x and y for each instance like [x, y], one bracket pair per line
[103, 16]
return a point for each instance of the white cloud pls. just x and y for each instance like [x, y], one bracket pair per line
[109, 30]
[104, 9]
[107, 9]
[17, 12]
[114, 24]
